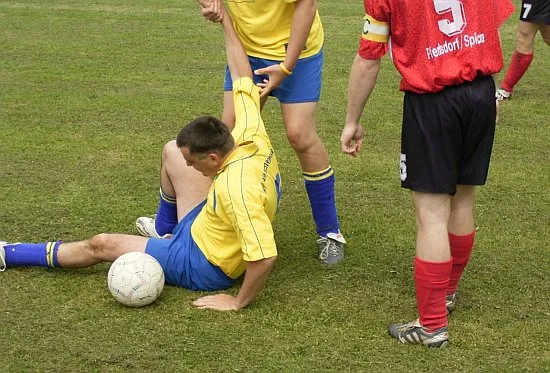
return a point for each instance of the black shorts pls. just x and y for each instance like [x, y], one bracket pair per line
[535, 11]
[447, 137]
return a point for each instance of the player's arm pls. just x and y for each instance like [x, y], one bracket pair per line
[237, 60]
[245, 94]
[258, 242]
[362, 80]
[363, 75]
[212, 10]
[255, 278]
[304, 14]
[255, 232]
[254, 281]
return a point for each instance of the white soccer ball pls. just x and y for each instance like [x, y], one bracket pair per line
[135, 279]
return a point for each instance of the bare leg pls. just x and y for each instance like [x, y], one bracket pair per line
[525, 37]
[521, 58]
[189, 186]
[461, 220]
[100, 248]
[545, 33]
[432, 217]
[176, 178]
[301, 122]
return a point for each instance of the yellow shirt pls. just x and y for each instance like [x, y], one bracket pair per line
[264, 28]
[235, 224]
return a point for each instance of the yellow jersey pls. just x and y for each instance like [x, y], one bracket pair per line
[234, 226]
[264, 28]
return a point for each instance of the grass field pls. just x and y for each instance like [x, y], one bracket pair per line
[89, 93]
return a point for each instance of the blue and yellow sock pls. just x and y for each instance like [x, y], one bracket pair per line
[167, 214]
[32, 254]
[320, 190]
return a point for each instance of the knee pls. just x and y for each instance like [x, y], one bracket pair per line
[301, 140]
[431, 209]
[97, 245]
[430, 220]
[170, 150]
[524, 42]
[461, 209]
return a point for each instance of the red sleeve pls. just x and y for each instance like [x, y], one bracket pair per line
[374, 37]
[370, 50]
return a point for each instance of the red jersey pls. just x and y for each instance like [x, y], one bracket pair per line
[435, 43]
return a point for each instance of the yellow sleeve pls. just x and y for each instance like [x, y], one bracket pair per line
[245, 209]
[246, 101]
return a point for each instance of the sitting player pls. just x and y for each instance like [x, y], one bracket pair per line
[221, 193]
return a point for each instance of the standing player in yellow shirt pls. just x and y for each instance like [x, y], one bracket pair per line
[224, 188]
[284, 42]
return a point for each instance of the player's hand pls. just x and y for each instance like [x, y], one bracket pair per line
[275, 76]
[218, 302]
[212, 10]
[351, 139]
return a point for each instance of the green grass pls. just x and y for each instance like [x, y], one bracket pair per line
[89, 93]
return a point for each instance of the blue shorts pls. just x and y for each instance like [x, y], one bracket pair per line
[183, 262]
[303, 85]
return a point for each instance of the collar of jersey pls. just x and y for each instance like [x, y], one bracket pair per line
[245, 149]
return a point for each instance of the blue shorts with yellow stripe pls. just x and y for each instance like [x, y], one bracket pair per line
[183, 262]
[303, 85]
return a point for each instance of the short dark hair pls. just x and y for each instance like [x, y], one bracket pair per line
[206, 135]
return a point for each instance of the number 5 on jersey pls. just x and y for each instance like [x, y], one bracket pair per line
[458, 20]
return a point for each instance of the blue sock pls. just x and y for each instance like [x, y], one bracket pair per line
[320, 190]
[167, 214]
[32, 254]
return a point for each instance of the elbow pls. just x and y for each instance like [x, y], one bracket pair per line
[309, 6]
[266, 264]
[366, 63]
[270, 261]
[363, 67]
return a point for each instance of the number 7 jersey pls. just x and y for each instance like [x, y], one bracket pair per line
[435, 43]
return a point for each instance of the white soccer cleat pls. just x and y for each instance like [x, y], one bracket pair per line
[145, 225]
[2, 256]
[331, 248]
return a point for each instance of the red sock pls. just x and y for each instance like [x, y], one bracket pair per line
[431, 280]
[461, 248]
[519, 64]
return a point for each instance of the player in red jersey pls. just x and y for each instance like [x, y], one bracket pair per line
[446, 52]
[534, 16]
